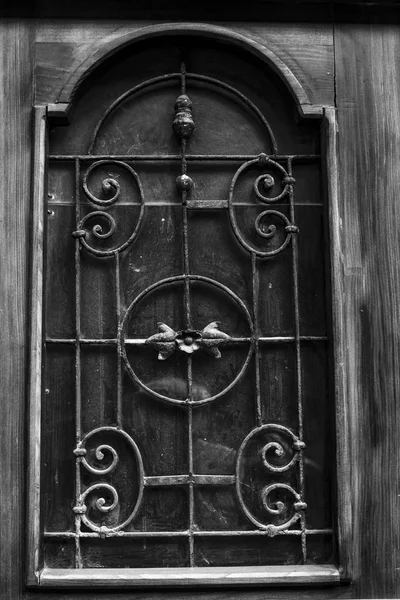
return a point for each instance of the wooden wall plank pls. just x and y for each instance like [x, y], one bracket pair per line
[61, 49]
[16, 95]
[368, 99]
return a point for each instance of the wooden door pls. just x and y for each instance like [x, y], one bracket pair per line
[48, 53]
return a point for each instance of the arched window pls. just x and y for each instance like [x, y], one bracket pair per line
[187, 429]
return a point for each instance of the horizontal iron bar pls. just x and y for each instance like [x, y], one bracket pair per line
[302, 338]
[185, 533]
[207, 204]
[142, 341]
[191, 204]
[95, 342]
[161, 480]
[253, 532]
[177, 157]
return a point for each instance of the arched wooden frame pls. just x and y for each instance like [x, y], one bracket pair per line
[233, 576]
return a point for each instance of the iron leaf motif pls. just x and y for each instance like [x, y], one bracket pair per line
[166, 341]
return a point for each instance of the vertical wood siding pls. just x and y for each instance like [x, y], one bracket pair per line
[368, 100]
[16, 87]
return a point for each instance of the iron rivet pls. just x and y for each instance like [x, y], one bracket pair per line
[263, 159]
[184, 183]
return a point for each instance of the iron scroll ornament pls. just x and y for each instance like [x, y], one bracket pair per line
[278, 449]
[101, 504]
[112, 188]
[273, 448]
[268, 182]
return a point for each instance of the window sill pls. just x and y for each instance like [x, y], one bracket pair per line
[207, 576]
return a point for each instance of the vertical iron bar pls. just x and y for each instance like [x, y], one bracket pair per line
[298, 356]
[78, 557]
[119, 361]
[188, 325]
[191, 490]
[255, 296]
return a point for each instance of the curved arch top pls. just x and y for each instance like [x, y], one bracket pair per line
[112, 45]
[194, 77]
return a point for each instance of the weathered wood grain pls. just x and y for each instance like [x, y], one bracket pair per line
[307, 575]
[340, 373]
[368, 84]
[35, 339]
[64, 52]
[15, 149]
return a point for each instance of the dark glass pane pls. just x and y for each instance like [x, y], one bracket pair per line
[163, 509]
[139, 553]
[98, 386]
[312, 285]
[158, 427]
[98, 297]
[276, 315]
[278, 384]
[211, 179]
[186, 427]
[217, 509]
[320, 549]
[61, 183]
[58, 438]
[307, 189]
[154, 255]
[211, 230]
[158, 181]
[146, 126]
[59, 554]
[220, 427]
[247, 551]
[60, 272]
[318, 435]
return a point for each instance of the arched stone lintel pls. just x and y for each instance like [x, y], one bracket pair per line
[112, 45]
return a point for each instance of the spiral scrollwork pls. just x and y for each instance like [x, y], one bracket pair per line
[97, 229]
[270, 231]
[109, 185]
[267, 182]
[109, 501]
[279, 450]
[101, 503]
[99, 454]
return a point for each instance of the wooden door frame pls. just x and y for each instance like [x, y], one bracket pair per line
[306, 575]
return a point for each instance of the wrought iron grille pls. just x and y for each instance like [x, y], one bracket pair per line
[270, 450]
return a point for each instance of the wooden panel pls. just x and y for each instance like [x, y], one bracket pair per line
[15, 140]
[61, 49]
[368, 84]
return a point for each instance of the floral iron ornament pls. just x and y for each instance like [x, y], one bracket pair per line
[188, 340]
